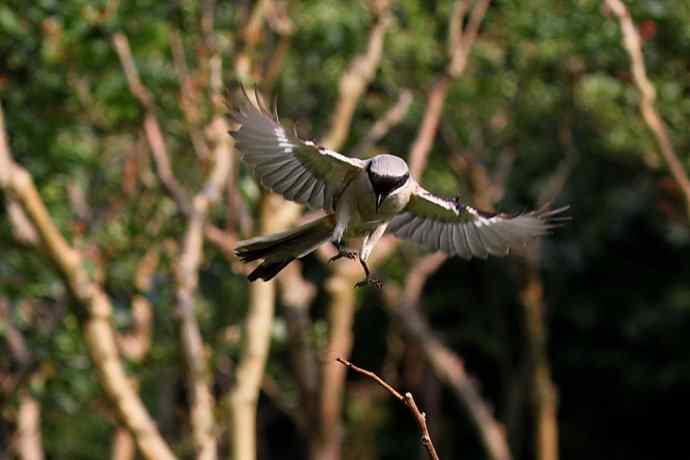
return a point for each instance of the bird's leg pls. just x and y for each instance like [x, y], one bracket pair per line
[342, 217]
[367, 246]
[342, 252]
[368, 280]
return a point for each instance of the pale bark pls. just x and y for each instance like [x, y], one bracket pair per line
[28, 444]
[325, 443]
[340, 317]
[196, 210]
[354, 81]
[123, 447]
[633, 45]
[152, 129]
[251, 35]
[543, 391]
[22, 230]
[447, 366]
[198, 375]
[93, 305]
[380, 128]
[136, 343]
[26, 441]
[460, 42]
[276, 215]
[342, 307]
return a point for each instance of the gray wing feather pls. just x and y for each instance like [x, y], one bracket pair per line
[446, 225]
[300, 170]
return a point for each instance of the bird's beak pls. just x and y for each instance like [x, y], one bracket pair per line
[379, 200]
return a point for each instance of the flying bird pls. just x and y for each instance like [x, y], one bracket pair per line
[362, 199]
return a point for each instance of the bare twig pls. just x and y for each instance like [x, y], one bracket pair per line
[409, 401]
[94, 305]
[447, 366]
[632, 44]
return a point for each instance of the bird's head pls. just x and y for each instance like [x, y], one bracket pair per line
[387, 173]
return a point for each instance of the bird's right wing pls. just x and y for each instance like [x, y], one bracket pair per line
[447, 225]
[299, 170]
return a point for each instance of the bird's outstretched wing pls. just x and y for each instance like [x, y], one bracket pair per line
[300, 170]
[447, 225]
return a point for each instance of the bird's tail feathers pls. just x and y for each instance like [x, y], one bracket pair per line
[280, 249]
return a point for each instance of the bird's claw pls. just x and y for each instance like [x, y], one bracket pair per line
[352, 255]
[370, 281]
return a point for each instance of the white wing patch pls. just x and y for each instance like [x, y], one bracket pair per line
[447, 225]
[300, 170]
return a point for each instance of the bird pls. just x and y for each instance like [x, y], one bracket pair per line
[362, 198]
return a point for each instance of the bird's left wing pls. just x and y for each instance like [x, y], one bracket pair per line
[447, 225]
[299, 170]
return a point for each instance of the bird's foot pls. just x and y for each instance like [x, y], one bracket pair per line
[370, 281]
[352, 255]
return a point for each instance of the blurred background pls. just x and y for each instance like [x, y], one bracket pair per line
[128, 328]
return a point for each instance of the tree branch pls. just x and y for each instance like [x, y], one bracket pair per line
[251, 35]
[342, 307]
[447, 365]
[93, 305]
[409, 401]
[27, 441]
[379, 129]
[198, 385]
[354, 81]
[276, 215]
[152, 129]
[460, 44]
[136, 343]
[632, 44]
